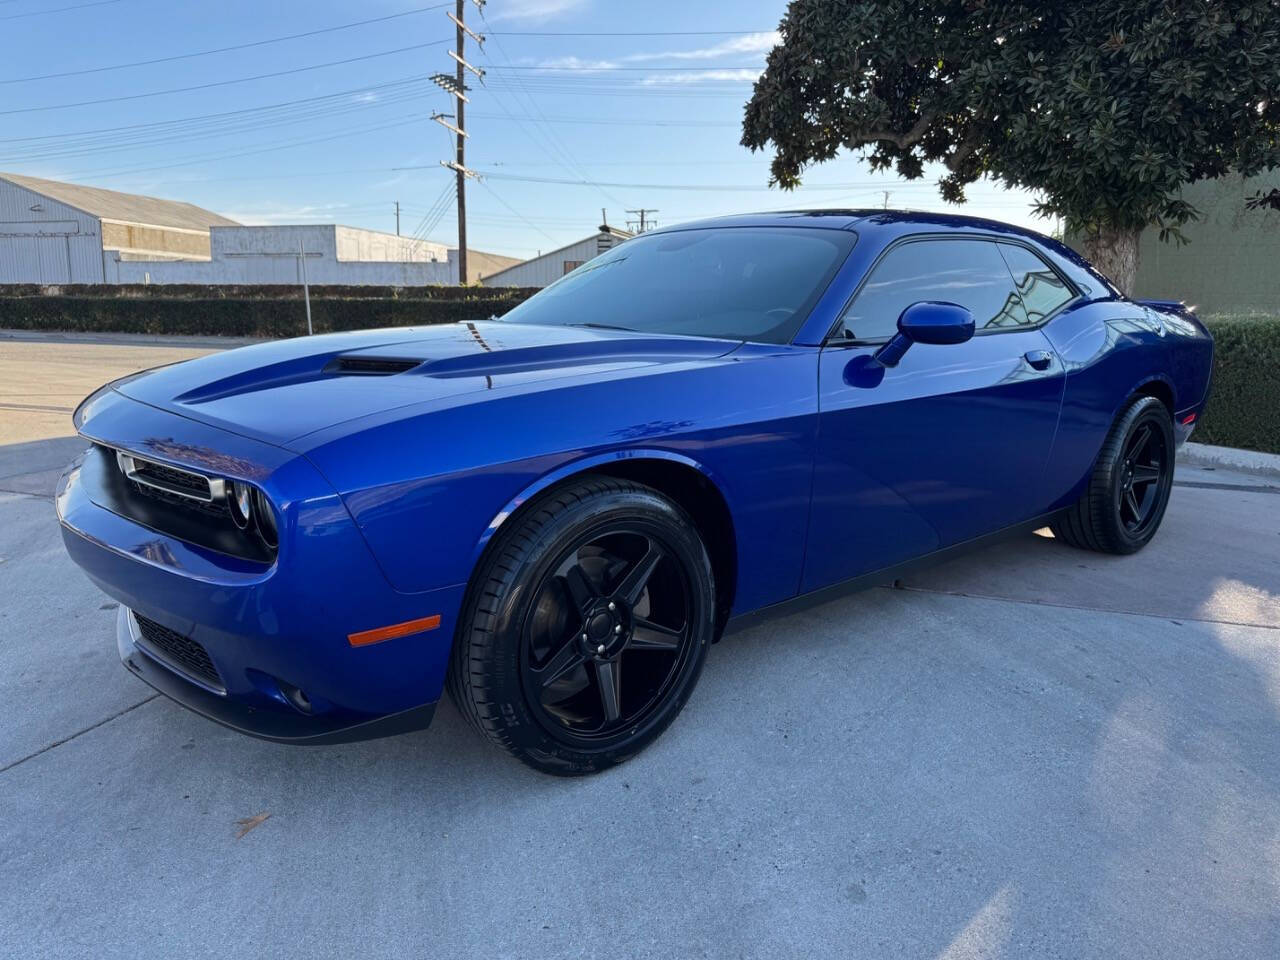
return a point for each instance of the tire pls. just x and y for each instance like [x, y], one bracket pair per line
[586, 627]
[1129, 487]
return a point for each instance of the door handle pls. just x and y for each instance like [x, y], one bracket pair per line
[1039, 359]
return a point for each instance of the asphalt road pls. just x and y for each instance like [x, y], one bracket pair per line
[1030, 752]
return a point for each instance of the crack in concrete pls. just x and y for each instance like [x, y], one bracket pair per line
[94, 726]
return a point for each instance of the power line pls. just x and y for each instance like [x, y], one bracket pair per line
[570, 164]
[238, 46]
[623, 33]
[225, 83]
[184, 133]
[611, 68]
[619, 122]
[265, 148]
[652, 186]
[522, 217]
[41, 13]
[228, 113]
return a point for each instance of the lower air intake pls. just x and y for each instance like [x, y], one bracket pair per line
[181, 653]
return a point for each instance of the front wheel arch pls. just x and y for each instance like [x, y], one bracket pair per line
[689, 484]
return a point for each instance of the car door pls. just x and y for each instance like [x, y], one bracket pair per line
[950, 444]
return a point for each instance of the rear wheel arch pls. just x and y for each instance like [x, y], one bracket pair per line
[1156, 387]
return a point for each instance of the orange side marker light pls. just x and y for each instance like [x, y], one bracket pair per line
[366, 637]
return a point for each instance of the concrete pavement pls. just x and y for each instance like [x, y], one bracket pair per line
[1031, 752]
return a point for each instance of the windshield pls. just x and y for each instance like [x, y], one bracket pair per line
[736, 283]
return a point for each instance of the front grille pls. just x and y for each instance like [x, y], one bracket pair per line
[217, 509]
[181, 652]
[172, 479]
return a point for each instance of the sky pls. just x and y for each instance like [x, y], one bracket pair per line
[585, 105]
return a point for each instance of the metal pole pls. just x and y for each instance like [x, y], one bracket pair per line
[306, 291]
[462, 125]
[397, 218]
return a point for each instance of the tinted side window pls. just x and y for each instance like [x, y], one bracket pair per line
[1042, 290]
[968, 272]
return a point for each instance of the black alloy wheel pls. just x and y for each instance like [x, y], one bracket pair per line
[1128, 490]
[586, 627]
[607, 634]
[1146, 461]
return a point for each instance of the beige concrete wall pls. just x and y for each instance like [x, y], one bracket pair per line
[141, 238]
[1232, 262]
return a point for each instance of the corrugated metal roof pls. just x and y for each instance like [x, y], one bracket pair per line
[128, 207]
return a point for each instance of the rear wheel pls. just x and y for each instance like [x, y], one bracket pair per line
[586, 629]
[1130, 484]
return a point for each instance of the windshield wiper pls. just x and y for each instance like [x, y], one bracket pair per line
[601, 326]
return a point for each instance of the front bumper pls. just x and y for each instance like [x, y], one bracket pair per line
[267, 629]
[276, 725]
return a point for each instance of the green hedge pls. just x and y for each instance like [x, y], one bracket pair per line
[1244, 400]
[261, 291]
[262, 312]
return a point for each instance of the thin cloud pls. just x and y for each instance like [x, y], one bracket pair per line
[751, 43]
[263, 218]
[577, 63]
[703, 76]
[735, 46]
[534, 9]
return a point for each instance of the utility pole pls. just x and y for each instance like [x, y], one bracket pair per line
[306, 290]
[397, 218]
[456, 85]
[644, 223]
[886, 198]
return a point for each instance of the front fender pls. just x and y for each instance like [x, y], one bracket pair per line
[585, 465]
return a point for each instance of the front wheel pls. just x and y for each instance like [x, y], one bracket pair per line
[1130, 484]
[586, 628]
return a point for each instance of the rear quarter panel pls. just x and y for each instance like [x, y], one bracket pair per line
[1110, 349]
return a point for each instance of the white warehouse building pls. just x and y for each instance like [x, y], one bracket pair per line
[334, 255]
[546, 268]
[61, 233]
[53, 232]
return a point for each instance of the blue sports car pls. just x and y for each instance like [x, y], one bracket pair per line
[554, 514]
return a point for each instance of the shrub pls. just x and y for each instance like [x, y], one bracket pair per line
[1244, 399]
[246, 311]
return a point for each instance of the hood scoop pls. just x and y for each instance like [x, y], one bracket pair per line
[369, 366]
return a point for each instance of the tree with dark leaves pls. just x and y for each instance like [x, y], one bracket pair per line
[1105, 109]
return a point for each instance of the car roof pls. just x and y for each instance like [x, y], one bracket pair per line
[897, 222]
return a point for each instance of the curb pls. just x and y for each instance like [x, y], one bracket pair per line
[1230, 458]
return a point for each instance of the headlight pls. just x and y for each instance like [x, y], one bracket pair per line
[241, 501]
[266, 517]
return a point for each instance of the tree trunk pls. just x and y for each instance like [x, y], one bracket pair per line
[1114, 253]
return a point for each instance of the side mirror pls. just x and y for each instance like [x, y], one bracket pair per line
[929, 321]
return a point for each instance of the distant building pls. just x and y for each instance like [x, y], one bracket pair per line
[545, 269]
[58, 233]
[53, 232]
[272, 254]
[1231, 263]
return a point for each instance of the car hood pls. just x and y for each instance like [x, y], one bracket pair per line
[281, 391]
